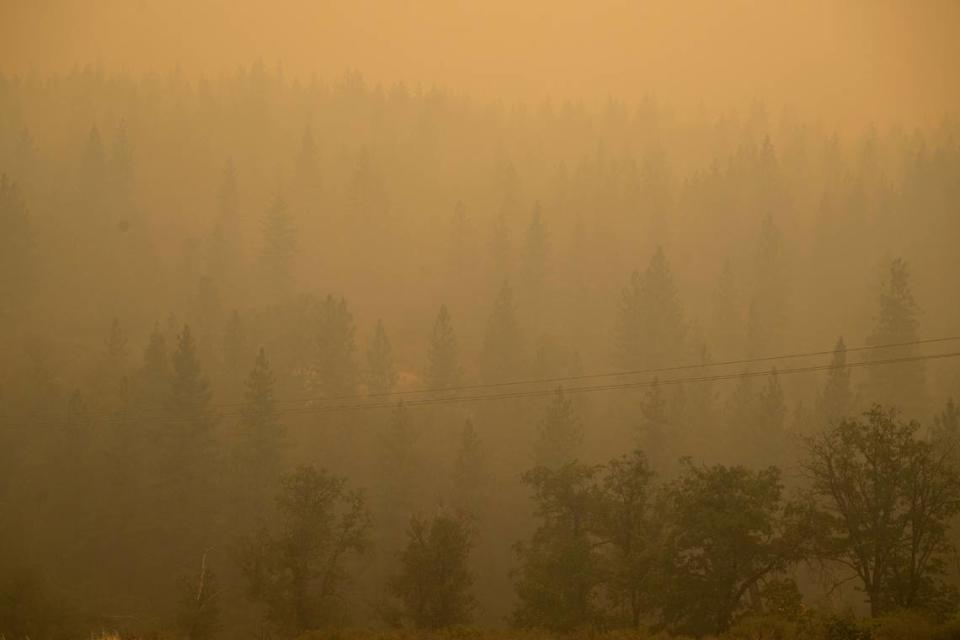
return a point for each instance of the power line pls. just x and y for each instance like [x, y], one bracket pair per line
[627, 385]
[594, 376]
[535, 393]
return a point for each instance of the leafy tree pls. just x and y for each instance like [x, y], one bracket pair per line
[651, 329]
[434, 581]
[730, 532]
[885, 499]
[502, 355]
[630, 526]
[299, 573]
[559, 578]
[443, 360]
[381, 375]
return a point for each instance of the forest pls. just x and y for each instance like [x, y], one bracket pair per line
[311, 357]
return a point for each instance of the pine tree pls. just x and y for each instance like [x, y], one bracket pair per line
[470, 481]
[259, 445]
[901, 385]
[767, 314]
[381, 375]
[224, 260]
[835, 400]
[235, 355]
[560, 434]
[187, 439]
[400, 467]
[336, 372]
[17, 257]
[279, 248]
[651, 327]
[535, 257]
[502, 355]
[443, 360]
[152, 380]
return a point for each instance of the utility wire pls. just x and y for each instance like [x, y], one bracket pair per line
[594, 376]
[537, 393]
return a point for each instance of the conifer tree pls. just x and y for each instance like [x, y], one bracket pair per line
[835, 400]
[400, 467]
[381, 375]
[901, 385]
[535, 256]
[336, 371]
[502, 355]
[259, 445]
[224, 252]
[187, 439]
[443, 359]
[17, 257]
[651, 326]
[235, 355]
[470, 480]
[767, 313]
[279, 248]
[560, 433]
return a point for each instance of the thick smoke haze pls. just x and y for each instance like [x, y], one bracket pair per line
[504, 320]
[859, 61]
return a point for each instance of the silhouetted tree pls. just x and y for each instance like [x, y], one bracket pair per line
[434, 581]
[443, 356]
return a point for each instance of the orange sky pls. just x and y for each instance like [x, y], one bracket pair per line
[855, 59]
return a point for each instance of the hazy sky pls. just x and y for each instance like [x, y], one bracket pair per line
[857, 59]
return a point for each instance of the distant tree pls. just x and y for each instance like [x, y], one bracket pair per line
[559, 434]
[400, 468]
[308, 163]
[381, 375]
[336, 371]
[17, 257]
[535, 259]
[299, 573]
[279, 248]
[651, 330]
[434, 580]
[901, 385]
[769, 425]
[443, 358]
[236, 354]
[500, 248]
[187, 443]
[886, 498]
[224, 251]
[470, 480]
[502, 355]
[767, 316]
[835, 400]
[730, 534]
[152, 379]
[258, 455]
[559, 578]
